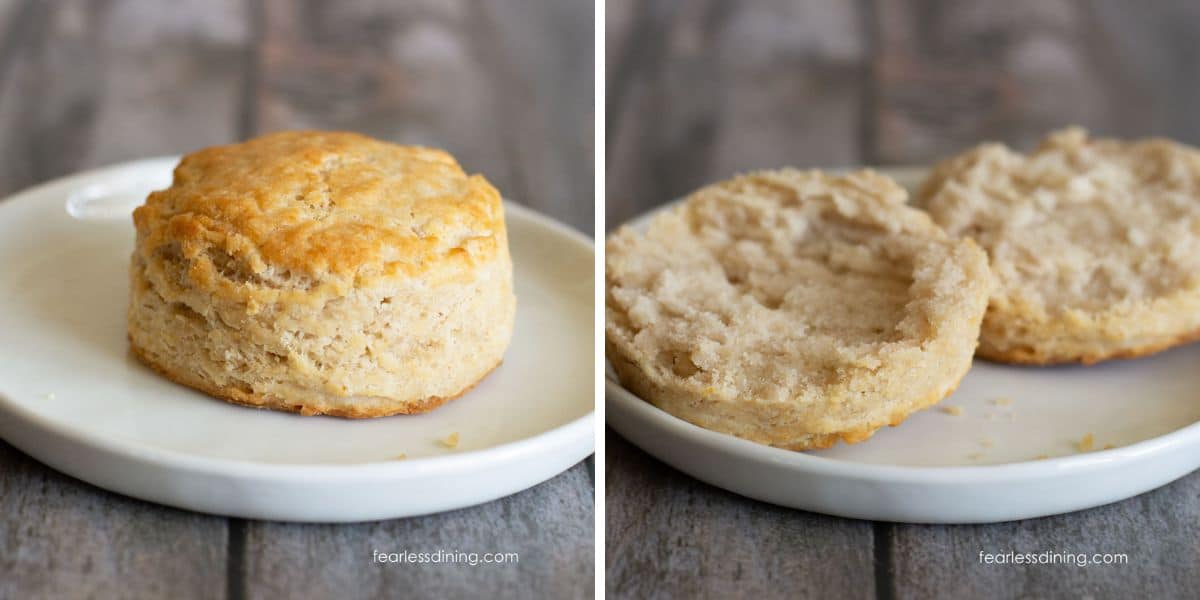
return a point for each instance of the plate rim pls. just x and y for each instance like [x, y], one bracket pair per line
[238, 468]
[891, 473]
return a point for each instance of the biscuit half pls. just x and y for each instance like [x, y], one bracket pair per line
[1094, 244]
[793, 308]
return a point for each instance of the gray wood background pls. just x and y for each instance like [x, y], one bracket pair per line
[698, 90]
[505, 85]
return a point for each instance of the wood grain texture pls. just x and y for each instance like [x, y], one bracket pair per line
[62, 538]
[101, 82]
[1154, 46]
[549, 526]
[949, 75]
[547, 100]
[506, 86]
[14, 15]
[669, 536]
[1157, 530]
[702, 90]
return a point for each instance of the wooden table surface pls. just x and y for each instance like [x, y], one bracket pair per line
[698, 90]
[504, 85]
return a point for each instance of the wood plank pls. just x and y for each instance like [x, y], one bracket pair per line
[950, 75]
[23, 61]
[669, 535]
[62, 538]
[108, 82]
[171, 79]
[1158, 532]
[619, 18]
[15, 16]
[540, 57]
[93, 83]
[504, 90]
[404, 72]
[550, 527]
[1153, 45]
[702, 90]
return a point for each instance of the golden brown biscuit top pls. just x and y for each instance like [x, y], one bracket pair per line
[309, 206]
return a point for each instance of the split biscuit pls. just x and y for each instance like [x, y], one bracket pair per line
[793, 308]
[1094, 244]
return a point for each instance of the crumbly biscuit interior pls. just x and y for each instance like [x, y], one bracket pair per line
[773, 285]
[1078, 224]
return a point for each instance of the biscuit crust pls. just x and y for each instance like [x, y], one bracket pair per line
[1094, 244]
[322, 273]
[793, 309]
[348, 408]
[329, 208]
[1030, 357]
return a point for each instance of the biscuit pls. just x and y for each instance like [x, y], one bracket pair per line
[1094, 244]
[322, 273]
[792, 308]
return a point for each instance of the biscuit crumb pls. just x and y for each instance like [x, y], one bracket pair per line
[1086, 443]
[451, 441]
[954, 411]
[1002, 401]
[969, 193]
[987, 443]
[401, 456]
[975, 455]
[1109, 446]
[1041, 457]
[777, 291]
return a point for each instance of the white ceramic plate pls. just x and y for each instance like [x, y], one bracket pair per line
[1016, 451]
[73, 397]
